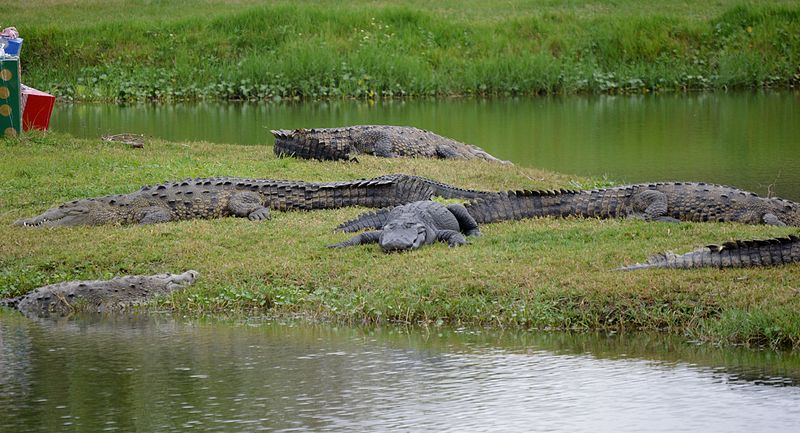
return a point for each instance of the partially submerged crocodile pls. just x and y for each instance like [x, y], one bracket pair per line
[379, 140]
[734, 254]
[99, 296]
[251, 198]
[663, 201]
[413, 225]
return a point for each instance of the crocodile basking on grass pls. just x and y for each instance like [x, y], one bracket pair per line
[413, 225]
[99, 296]
[669, 202]
[663, 201]
[734, 254]
[379, 140]
[251, 198]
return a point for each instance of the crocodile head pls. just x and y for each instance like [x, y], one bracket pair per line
[404, 235]
[79, 212]
[175, 281]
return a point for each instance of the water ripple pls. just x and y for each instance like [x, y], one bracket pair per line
[153, 374]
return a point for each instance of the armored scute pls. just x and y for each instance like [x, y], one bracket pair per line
[378, 140]
[251, 198]
[665, 201]
[733, 254]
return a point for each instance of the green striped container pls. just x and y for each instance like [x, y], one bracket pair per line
[10, 110]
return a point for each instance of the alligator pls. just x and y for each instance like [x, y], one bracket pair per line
[412, 225]
[100, 296]
[733, 254]
[378, 140]
[251, 198]
[663, 201]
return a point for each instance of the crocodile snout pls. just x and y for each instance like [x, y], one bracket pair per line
[402, 239]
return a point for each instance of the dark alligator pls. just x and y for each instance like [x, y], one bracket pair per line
[734, 254]
[379, 140]
[99, 296]
[252, 198]
[413, 225]
[664, 201]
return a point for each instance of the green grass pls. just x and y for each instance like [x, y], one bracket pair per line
[534, 274]
[156, 50]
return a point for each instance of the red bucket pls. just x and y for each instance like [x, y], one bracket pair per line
[37, 107]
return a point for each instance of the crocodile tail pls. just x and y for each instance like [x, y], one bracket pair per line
[733, 254]
[308, 144]
[444, 190]
[408, 188]
[383, 191]
[515, 205]
[298, 195]
[372, 193]
[369, 220]
[660, 260]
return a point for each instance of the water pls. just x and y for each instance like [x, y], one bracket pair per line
[748, 140]
[153, 373]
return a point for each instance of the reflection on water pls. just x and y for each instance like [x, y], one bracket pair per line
[748, 140]
[159, 374]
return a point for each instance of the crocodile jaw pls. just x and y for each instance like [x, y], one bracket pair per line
[184, 279]
[83, 212]
[52, 218]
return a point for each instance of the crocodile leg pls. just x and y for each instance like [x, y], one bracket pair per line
[772, 220]
[153, 215]
[259, 214]
[452, 237]
[447, 152]
[466, 222]
[248, 204]
[368, 220]
[359, 239]
[383, 147]
[651, 205]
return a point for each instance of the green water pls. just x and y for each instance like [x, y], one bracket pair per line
[154, 373]
[748, 140]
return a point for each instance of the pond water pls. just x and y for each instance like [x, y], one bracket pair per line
[155, 373]
[748, 140]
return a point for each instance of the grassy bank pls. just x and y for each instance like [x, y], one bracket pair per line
[87, 50]
[541, 274]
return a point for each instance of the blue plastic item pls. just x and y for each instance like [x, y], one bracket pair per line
[14, 46]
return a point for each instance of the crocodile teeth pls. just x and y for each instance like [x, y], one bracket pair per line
[27, 224]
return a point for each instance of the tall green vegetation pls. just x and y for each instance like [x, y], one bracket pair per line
[303, 50]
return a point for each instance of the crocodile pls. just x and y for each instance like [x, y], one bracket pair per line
[662, 201]
[412, 225]
[100, 296]
[251, 198]
[733, 254]
[378, 140]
